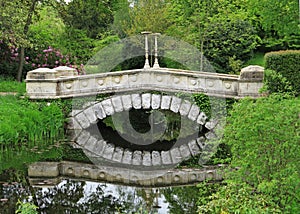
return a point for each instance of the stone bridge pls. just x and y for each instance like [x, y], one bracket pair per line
[132, 90]
[63, 82]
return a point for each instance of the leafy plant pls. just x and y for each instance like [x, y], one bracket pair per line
[26, 208]
[275, 82]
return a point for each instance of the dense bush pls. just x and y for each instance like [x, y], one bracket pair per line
[238, 198]
[287, 64]
[274, 82]
[229, 43]
[265, 143]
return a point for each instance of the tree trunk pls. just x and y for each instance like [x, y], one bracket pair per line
[26, 27]
[21, 65]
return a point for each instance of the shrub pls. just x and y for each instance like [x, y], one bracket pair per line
[287, 64]
[51, 58]
[265, 143]
[274, 82]
[238, 198]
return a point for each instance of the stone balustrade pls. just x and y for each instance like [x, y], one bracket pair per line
[63, 82]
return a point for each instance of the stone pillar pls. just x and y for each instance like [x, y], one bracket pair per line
[43, 82]
[147, 65]
[250, 81]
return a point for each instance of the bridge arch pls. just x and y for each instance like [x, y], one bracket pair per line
[100, 151]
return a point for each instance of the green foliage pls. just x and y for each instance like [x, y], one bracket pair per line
[26, 208]
[238, 198]
[148, 15]
[12, 86]
[274, 82]
[93, 17]
[287, 64]
[47, 29]
[264, 138]
[227, 40]
[277, 30]
[257, 59]
[25, 122]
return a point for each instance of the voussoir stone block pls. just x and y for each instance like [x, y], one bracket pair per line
[175, 155]
[175, 104]
[166, 157]
[194, 112]
[156, 158]
[117, 103]
[127, 103]
[201, 141]
[155, 102]
[146, 101]
[108, 107]
[137, 158]
[127, 157]
[210, 125]
[184, 151]
[99, 147]
[99, 111]
[109, 151]
[82, 137]
[90, 114]
[118, 154]
[90, 144]
[147, 158]
[166, 102]
[185, 108]
[82, 120]
[136, 101]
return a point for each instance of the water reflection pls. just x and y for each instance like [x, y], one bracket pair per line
[75, 196]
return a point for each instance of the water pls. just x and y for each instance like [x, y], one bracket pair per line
[79, 196]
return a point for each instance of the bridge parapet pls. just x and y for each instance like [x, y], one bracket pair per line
[63, 82]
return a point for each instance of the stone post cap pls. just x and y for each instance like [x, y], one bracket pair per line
[66, 71]
[47, 73]
[252, 72]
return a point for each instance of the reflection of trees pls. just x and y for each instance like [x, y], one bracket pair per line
[69, 198]
[181, 199]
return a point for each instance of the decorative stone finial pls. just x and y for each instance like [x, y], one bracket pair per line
[147, 65]
[156, 65]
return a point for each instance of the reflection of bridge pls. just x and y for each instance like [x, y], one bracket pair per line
[41, 171]
[63, 82]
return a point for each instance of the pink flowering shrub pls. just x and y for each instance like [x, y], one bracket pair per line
[52, 58]
[48, 58]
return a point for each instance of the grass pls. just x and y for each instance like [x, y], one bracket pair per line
[257, 59]
[9, 85]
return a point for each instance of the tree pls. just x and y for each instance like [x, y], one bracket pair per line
[279, 21]
[92, 16]
[221, 30]
[151, 15]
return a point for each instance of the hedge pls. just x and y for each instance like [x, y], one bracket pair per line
[287, 63]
